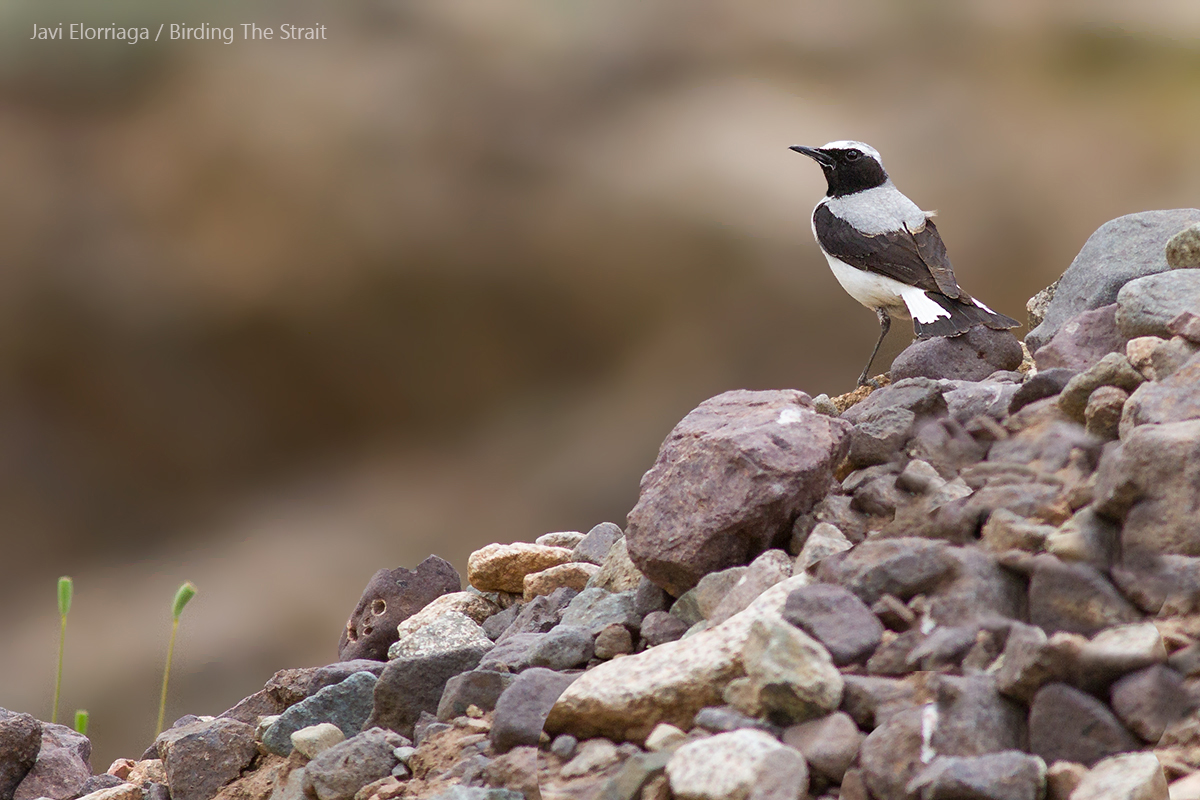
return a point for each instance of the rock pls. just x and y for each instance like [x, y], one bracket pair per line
[1170, 355]
[539, 615]
[564, 647]
[289, 686]
[1149, 700]
[1008, 775]
[618, 572]
[477, 793]
[1187, 788]
[836, 510]
[1120, 250]
[61, 766]
[1029, 663]
[20, 741]
[411, 685]
[1171, 399]
[339, 772]
[877, 440]
[1036, 306]
[792, 675]
[1146, 305]
[823, 541]
[449, 632]
[973, 718]
[835, 618]
[522, 709]
[1082, 341]
[315, 739]
[1086, 537]
[201, 757]
[1183, 249]
[573, 575]
[391, 597]
[872, 700]
[593, 754]
[596, 608]
[567, 539]
[1062, 777]
[891, 754]
[659, 627]
[1140, 352]
[625, 698]
[1149, 484]
[722, 719]
[1117, 651]
[503, 567]
[596, 544]
[636, 776]
[108, 787]
[479, 688]
[728, 483]
[971, 356]
[829, 744]
[510, 656]
[1075, 598]
[1135, 776]
[1187, 326]
[1067, 725]
[614, 640]
[665, 737]
[1005, 530]
[765, 571]
[968, 400]
[729, 766]
[1112, 370]
[1043, 384]
[471, 605]
[346, 705]
[922, 396]
[1102, 415]
[900, 567]
[702, 600]
[564, 746]
[648, 598]
[499, 622]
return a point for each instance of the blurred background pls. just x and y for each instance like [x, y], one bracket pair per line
[275, 315]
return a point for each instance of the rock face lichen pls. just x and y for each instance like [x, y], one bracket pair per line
[961, 583]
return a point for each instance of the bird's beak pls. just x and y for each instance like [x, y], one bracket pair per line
[821, 157]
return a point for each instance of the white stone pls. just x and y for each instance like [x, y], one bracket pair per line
[560, 539]
[315, 739]
[729, 765]
[126, 791]
[665, 737]
[450, 631]
[592, 754]
[1124, 648]
[476, 607]
[625, 698]
[824, 540]
[1129, 776]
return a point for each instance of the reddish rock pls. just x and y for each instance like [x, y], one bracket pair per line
[728, 483]
[1082, 341]
[971, 356]
[392, 596]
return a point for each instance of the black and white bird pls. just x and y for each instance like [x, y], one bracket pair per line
[886, 252]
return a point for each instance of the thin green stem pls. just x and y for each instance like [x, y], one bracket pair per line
[62, 638]
[162, 703]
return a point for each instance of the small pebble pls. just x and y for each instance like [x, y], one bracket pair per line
[564, 746]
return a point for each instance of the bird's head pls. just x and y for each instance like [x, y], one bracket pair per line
[849, 167]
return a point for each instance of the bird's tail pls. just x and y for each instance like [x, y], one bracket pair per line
[964, 313]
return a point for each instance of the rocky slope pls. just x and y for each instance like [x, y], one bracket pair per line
[977, 579]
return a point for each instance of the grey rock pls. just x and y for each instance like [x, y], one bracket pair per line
[971, 356]
[96, 783]
[829, 744]
[1120, 250]
[477, 793]
[1112, 370]
[1149, 700]
[922, 396]
[566, 539]
[1145, 306]
[289, 686]
[636, 772]
[973, 718]
[836, 510]
[660, 627]
[878, 440]
[480, 688]
[564, 647]
[201, 757]
[791, 675]
[1008, 775]
[891, 755]
[510, 655]
[1082, 341]
[564, 745]
[871, 700]
[540, 614]
[1030, 662]
[1183, 249]
[823, 541]
[648, 598]
[702, 600]
[410, 686]
[595, 545]
[20, 741]
[522, 709]
[836, 618]
[392, 596]
[593, 609]
[451, 630]
[1149, 484]
[967, 400]
[498, 623]
[768, 569]
[900, 567]
[1066, 724]
[339, 772]
[978, 590]
[1076, 598]
[722, 719]
[729, 481]
[1046, 383]
[894, 654]
[346, 705]
[1036, 306]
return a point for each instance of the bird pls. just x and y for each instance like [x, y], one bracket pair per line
[886, 252]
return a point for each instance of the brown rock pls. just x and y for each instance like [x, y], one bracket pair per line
[1102, 415]
[837, 619]
[829, 744]
[574, 575]
[971, 356]
[1112, 370]
[1149, 700]
[1134, 776]
[503, 567]
[1082, 341]
[1076, 598]
[729, 481]
[1067, 725]
[201, 757]
[891, 755]
[617, 572]
[391, 597]
[1061, 779]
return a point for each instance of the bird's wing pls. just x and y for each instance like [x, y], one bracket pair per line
[916, 259]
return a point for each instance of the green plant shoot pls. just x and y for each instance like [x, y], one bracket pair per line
[186, 592]
[66, 589]
[81, 721]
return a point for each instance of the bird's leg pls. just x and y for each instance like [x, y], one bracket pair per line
[885, 322]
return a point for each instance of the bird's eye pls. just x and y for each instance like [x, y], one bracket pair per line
[852, 155]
